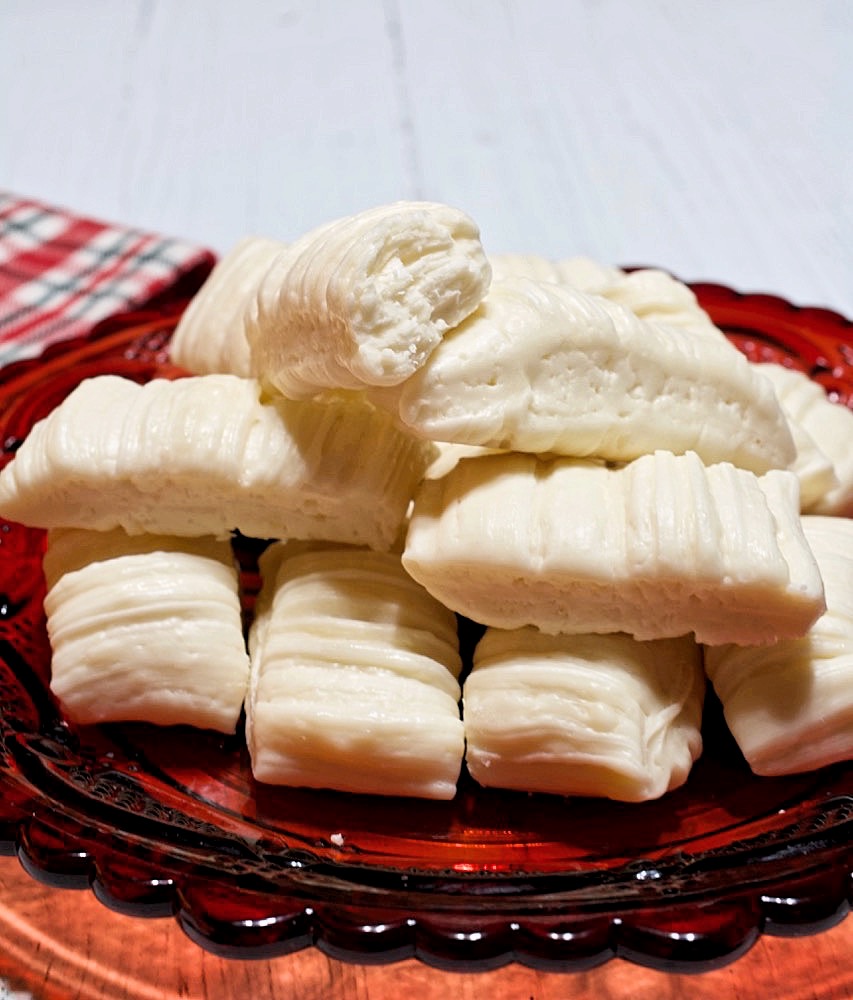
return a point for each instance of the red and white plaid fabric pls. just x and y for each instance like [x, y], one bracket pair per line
[62, 273]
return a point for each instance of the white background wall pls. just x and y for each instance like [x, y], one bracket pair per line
[711, 138]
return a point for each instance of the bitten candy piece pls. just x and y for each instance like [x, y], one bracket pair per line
[545, 368]
[354, 681]
[364, 300]
[789, 704]
[145, 629]
[658, 548]
[210, 337]
[599, 715]
[206, 455]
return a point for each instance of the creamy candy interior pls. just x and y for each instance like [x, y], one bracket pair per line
[540, 367]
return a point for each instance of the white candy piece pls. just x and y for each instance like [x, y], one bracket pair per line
[145, 629]
[789, 704]
[596, 715]
[364, 300]
[210, 337]
[354, 682]
[661, 547]
[544, 368]
[206, 455]
[829, 427]
[650, 293]
[583, 273]
[655, 296]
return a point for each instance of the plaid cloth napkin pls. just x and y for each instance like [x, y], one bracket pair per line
[62, 273]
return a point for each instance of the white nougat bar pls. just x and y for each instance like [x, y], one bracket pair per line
[207, 455]
[210, 336]
[594, 715]
[658, 548]
[354, 677]
[649, 292]
[789, 704]
[145, 628]
[827, 426]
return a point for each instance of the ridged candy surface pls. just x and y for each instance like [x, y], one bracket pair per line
[207, 455]
[354, 677]
[145, 628]
[592, 715]
[658, 548]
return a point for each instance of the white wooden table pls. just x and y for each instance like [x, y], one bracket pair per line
[715, 140]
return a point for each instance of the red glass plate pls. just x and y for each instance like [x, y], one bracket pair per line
[170, 821]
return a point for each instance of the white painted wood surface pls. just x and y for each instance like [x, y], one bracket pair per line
[711, 138]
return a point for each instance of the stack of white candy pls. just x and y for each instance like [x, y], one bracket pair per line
[629, 490]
